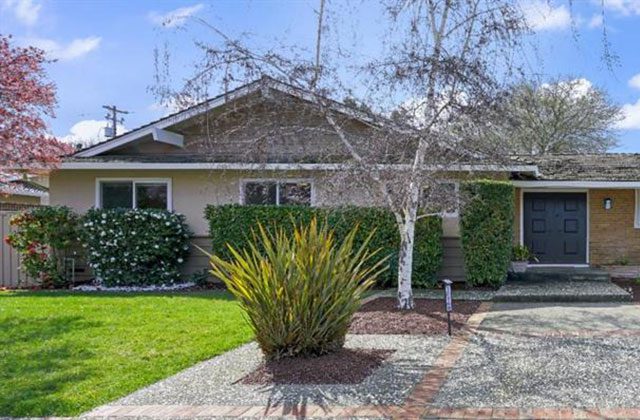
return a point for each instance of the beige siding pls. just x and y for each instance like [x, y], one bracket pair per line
[192, 190]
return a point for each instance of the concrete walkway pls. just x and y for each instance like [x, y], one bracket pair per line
[512, 360]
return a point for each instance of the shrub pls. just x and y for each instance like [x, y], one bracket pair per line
[231, 224]
[520, 253]
[135, 247]
[43, 237]
[300, 288]
[486, 225]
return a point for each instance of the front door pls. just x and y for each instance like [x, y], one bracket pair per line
[555, 227]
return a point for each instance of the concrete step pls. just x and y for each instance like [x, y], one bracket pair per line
[561, 291]
[562, 274]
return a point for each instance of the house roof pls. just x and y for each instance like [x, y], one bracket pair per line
[23, 187]
[587, 167]
[207, 162]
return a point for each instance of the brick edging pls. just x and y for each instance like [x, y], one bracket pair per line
[426, 390]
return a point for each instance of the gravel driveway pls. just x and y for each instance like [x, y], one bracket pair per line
[525, 356]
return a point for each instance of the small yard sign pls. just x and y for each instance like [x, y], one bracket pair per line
[448, 305]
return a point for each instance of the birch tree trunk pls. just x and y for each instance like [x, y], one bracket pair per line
[405, 254]
[405, 266]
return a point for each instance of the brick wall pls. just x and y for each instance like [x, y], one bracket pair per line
[612, 236]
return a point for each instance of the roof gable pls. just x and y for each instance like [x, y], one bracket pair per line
[160, 130]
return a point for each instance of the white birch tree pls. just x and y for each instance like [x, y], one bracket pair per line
[426, 98]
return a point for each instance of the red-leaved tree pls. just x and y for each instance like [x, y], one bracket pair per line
[26, 97]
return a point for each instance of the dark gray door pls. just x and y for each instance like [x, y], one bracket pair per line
[555, 227]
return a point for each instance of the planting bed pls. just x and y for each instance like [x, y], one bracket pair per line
[346, 366]
[381, 316]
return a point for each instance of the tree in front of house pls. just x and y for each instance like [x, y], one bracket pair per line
[565, 116]
[442, 63]
[26, 98]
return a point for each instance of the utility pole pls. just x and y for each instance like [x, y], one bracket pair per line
[112, 116]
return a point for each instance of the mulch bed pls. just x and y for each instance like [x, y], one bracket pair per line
[345, 366]
[381, 316]
[630, 285]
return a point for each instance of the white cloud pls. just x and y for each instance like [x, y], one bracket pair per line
[595, 21]
[634, 82]
[25, 11]
[630, 117]
[577, 88]
[88, 132]
[175, 17]
[542, 16]
[74, 49]
[624, 7]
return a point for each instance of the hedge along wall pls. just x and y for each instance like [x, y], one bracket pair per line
[232, 224]
[486, 229]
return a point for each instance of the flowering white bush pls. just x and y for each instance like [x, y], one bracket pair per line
[135, 247]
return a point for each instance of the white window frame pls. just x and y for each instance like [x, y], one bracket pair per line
[636, 210]
[278, 181]
[135, 181]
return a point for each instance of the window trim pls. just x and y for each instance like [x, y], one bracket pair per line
[134, 181]
[278, 181]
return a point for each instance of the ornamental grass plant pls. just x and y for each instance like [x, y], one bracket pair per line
[299, 290]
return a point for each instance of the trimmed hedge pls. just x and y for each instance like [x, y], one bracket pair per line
[232, 224]
[136, 247]
[486, 224]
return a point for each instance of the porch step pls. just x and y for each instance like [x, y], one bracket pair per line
[561, 291]
[563, 274]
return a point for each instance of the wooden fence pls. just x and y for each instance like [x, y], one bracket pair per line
[10, 274]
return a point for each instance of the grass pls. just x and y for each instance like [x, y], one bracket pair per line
[64, 353]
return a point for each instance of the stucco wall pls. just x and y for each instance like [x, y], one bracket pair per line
[193, 190]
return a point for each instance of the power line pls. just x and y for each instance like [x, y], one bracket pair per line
[112, 116]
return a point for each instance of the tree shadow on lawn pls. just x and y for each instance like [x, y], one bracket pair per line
[36, 363]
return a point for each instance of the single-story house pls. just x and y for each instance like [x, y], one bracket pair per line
[17, 193]
[573, 210]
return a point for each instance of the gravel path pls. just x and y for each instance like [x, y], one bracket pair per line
[216, 381]
[543, 356]
[456, 294]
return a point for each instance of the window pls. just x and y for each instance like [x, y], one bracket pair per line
[443, 199]
[276, 193]
[139, 193]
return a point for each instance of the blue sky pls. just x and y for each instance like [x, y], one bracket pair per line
[104, 49]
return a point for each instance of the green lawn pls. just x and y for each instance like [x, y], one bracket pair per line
[64, 353]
